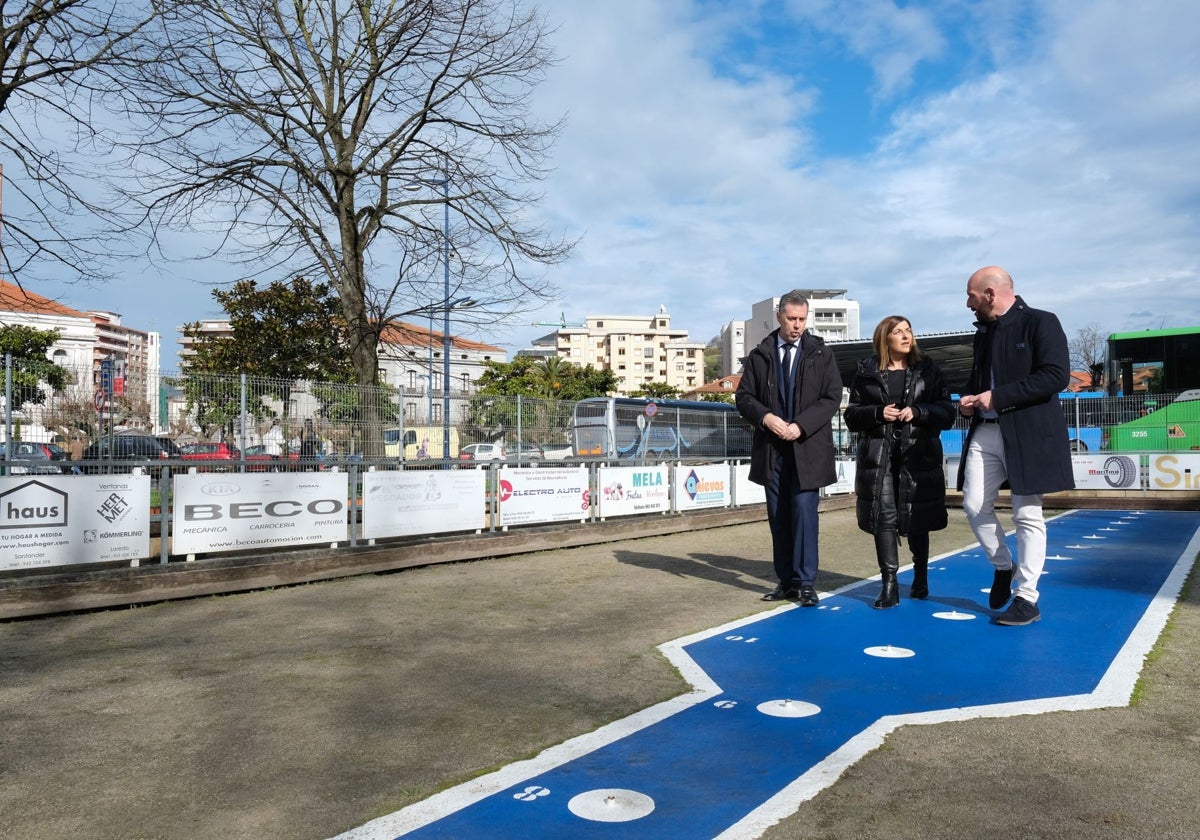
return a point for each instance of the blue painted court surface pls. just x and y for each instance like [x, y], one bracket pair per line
[784, 702]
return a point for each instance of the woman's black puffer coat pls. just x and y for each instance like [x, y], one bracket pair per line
[914, 449]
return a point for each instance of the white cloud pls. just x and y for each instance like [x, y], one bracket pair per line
[1072, 163]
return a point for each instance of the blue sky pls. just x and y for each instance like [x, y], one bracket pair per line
[719, 152]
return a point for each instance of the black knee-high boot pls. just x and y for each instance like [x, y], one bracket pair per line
[919, 544]
[886, 551]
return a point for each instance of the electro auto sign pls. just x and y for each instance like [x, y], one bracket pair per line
[235, 511]
[62, 520]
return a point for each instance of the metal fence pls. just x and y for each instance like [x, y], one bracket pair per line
[380, 424]
[346, 420]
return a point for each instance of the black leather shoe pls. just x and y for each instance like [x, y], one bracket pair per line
[808, 597]
[782, 593]
[1001, 588]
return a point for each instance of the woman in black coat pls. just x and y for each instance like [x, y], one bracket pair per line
[899, 406]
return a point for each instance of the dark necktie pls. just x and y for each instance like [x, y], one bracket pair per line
[785, 381]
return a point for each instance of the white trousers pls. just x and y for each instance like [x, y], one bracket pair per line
[985, 472]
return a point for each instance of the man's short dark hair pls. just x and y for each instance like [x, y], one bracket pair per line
[793, 298]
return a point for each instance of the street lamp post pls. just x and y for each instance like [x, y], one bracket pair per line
[446, 319]
[447, 304]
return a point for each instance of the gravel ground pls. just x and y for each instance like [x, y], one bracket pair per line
[302, 712]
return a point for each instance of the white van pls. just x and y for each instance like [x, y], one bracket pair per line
[420, 442]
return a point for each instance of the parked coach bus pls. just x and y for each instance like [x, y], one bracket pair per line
[629, 428]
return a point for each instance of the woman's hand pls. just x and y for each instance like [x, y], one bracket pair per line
[892, 414]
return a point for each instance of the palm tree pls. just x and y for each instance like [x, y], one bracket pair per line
[548, 375]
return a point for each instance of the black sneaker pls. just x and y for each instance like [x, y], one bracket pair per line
[1001, 588]
[1020, 612]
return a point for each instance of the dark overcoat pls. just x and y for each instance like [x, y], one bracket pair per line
[1030, 363]
[817, 395]
[914, 450]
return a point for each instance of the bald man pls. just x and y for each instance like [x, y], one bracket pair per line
[1018, 435]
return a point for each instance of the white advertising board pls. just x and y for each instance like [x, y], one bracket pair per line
[1101, 471]
[51, 520]
[745, 491]
[846, 470]
[628, 490]
[551, 494]
[224, 511]
[703, 486]
[1175, 472]
[399, 503]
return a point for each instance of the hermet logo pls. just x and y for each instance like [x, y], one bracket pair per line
[33, 504]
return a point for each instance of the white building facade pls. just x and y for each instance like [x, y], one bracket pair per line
[733, 347]
[638, 349]
[105, 360]
[831, 316]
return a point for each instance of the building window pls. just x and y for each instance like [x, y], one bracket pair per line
[648, 353]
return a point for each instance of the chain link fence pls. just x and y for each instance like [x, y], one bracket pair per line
[332, 421]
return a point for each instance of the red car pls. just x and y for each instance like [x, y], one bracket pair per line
[212, 453]
[259, 460]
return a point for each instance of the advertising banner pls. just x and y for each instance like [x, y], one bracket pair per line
[745, 491]
[398, 503]
[231, 511]
[629, 490]
[1175, 472]
[846, 470]
[703, 486]
[63, 520]
[1101, 471]
[534, 494]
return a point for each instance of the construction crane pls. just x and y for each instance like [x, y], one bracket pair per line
[561, 322]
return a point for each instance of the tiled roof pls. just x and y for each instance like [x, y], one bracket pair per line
[411, 335]
[13, 298]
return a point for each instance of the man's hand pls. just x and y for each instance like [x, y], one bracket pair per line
[781, 428]
[971, 403]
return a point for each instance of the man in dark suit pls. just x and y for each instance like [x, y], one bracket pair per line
[1018, 434]
[789, 391]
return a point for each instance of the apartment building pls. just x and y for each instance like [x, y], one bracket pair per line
[831, 315]
[101, 354]
[638, 349]
[733, 347]
[410, 359]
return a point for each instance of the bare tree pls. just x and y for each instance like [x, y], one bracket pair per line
[338, 139]
[55, 56]
[1089, 348]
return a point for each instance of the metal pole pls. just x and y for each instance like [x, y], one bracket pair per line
[242, 416]
[446, 319]
[8, 388]
[429, 372]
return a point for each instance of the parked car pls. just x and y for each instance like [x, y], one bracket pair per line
[129, 448]
[482, 452]
[258, 459]
[42, 458]
[527, 453]
[210, 452]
